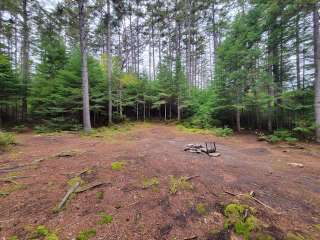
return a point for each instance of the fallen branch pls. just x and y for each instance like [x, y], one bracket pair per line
[89, 186]
[191, 238]
[251, 195]
[192, 177]
[66, 197]
[11, 179]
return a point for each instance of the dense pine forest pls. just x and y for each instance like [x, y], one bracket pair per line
[240, 64]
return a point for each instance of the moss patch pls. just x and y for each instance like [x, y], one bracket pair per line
[105, 219]
[294, 236]
[117, 166]
[179, 184]
[100, 195]
[150, 183]
[45, 233]
[87, 234]
[201, 209]
[12, 187]
[74, 181]
[235, 217]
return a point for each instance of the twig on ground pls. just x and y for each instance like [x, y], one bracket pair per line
[68, 194]
[192, 177]
[253, 198]
[90, 186]
[191, 238]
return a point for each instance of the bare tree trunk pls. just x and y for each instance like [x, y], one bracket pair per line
[109, 53]
[298, 52]
[178, 109]
[316, 42]
[137, 111]
[25, 59]
[84, 67]
[165, 112]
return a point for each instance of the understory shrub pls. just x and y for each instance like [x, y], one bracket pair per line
[6, 139]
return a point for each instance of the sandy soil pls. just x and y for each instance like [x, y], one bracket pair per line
[156, 150]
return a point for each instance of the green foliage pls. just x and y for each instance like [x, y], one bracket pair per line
[235, 217]
[118, 165]
[223, 132]
[87, 234]
[42, 231]
[13, 238]
[294, 236]
[179, 184]
[150, 183]
[105, 219]
[201, 209]
[281, 135]
[6, 139]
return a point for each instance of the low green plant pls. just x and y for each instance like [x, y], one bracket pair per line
[294, 236]
[6, 139]
[100, 195]
[243, 226]
[105, 219]
[150, 183]
[179, 184]
[20, 128]
[43, 231]
[201, 209]
[281, 135]
[87, 234]
[13, 238]
[223, 132]
[118, 165]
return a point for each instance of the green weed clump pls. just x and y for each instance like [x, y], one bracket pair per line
[223, 132]
[220, 132]
[294, 236]
[201, 209]
[87, 234]
[6, 139]
[150, 183]
[118, 165]
[45, 233]
[13, 238]
[235, 217]
[109, 132]
[281, 135]
[179, 184]
[105, 219]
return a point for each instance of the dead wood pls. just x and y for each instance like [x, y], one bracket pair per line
[191, 177]
[251, 195]
[191, 238]
[90, 186]
[68, 194]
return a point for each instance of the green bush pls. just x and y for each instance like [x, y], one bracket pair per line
[6, 139]
[87, 234]
[281, 135]
[223, 132]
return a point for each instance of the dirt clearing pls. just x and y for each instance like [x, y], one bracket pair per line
[143, 189]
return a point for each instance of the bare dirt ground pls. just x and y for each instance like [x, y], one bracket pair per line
[156, 150]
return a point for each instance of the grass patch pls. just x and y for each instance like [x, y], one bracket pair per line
[118, 165]
[43, 232]
[105, 219]
[109, 132]
[87, 234]
[6, 139]
[179, 184]
[294, 236]
[6, 190]
[234, 213]
[100, 195]
[201, 209]
[150, 183]
[13, 238]
[74, 181]
[220, 132]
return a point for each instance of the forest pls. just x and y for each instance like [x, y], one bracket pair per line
[159, 119]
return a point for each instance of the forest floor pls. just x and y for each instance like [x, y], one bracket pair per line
[137, 194]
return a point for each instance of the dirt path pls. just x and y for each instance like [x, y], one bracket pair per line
[154, 150]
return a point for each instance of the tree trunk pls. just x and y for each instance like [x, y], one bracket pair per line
[298, 52]
[316, 42]
[137, 111]
[109, 64]
[84, 67]
[165, 112]
[178, 109]
[25, 59]
[238, 119]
